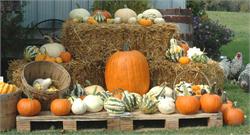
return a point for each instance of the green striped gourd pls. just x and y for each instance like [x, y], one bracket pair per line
[30, 52]
[114, 106]
[78, 90]
[138, 99]
[99, 17]
[129, 100]
[200, 58]
[174, 52]
[149, 104]
[104, 95]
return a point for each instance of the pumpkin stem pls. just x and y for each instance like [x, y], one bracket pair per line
[78, 5]
[126, 46]
[95, 90]
[49, 38]
[224, 97]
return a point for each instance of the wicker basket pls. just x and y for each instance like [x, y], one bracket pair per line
[42, 69]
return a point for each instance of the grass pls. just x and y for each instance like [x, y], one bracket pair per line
[240, 23]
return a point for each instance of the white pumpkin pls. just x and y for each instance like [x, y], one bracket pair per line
[93, 89]
[78, 106]
[166, 105]
[161, 91]
[125, 13]
[152, 14]
[140, 16]
[159, 21]
[117, 20]
[79, 13]
[93, 103]
[132, 20]
[52, 49]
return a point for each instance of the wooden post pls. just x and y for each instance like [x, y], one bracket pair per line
[70, 125]
[23, 126]
[126, 124]
[172, 123]
[113, 124]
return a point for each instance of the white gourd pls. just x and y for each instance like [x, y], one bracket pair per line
[42, 84]
[93, 89]
[53, 49]
[93, 103]
[78, 106]
[140, 16]
[117, 20]
[152, 14]
[159, 21]
[166, 105]
[79, 13]
[157, 91]
[132, 20]
[125, 13]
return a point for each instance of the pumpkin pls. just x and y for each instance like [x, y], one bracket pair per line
[127, 70]
[210, 103]
[58, 60]
[93, 89]
[40, 57]
[226, 103]
[233, 116]
[125, 13]
[60, 107]
[78, 106]
[184, 60]
[91, 20]
[152, 14]
[129, 101]
[114, 106]
[79, 13]
[166, 105]
[175, 52]
[187, 104]
[162, 90]
[28, 107]
[149, 104]
[159, 21]
[6, 88]
[99, 17]
[145, 22]
[52, 48]
[30, 52]
[94, 103]
[66, 56]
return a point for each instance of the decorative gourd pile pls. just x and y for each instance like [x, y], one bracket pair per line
[6, 88]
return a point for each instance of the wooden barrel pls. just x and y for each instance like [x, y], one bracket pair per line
[8, 111]
[183, 18]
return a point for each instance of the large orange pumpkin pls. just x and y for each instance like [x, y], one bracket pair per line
[127, 70]
[60, 107]
[210, 103]
[233, 116]
[226, 105]
[187, 104]
[28, 107]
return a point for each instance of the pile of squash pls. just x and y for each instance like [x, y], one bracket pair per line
[52, 52]
[6, 88]
[123, 15]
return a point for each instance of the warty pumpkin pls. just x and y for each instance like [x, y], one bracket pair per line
[60, 107]
[145, 22]
[128, 70]
[28, 107]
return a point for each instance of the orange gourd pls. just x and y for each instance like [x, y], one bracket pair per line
[104, 13]
[210, 103]
[91, 20]
[184, 60]
[40, 57]
[185, 47]
[66, 56]
[50, 59]
[145, 22]
[60, 107]
[58, 60]
[187, 104]
[28, 107]
[233, 116]
[128, 70]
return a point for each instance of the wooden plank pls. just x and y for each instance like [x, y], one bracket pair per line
[178, 19]
[70, 125]
[172, 123]
[126, 124]
[113, 124]
[23, 125]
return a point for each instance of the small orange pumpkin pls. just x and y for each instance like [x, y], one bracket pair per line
[233, 116]
[66, 56]
[226, 105]
[184, 60]
[145, 22]
[28, 107]
[60, 107]
[210, 103]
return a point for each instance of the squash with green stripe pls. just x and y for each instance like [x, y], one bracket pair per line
[129, 100]
[30, 52]
[114, 106]
[200, 58]
[99, 17]
[175, 52]
[104, 95]
[138, 99]
[149, 104]
[78, 90]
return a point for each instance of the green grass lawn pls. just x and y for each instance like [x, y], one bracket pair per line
[240, 24]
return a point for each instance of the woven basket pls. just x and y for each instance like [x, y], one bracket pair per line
[42, 69]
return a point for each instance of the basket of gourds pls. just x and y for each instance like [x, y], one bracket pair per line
[45, 80]
[187, 86]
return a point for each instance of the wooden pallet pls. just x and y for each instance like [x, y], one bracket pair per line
[122, 123]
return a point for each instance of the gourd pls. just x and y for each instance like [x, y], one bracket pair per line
[181, 86]
[114, 106]
[125, 13]
[159, 21]
[187, 104]
[145, 22]
[105, 13]
[79, 13]
[77, 90]
[138, 99]
[52, 48]
[66, 56]
[184, 45]
[30, 52]
[184, 60]
[40, 57]
[94, 103]
[91, 20]
[139, 16]
[175, 52]
[233, 116]
[136, 76]
[58, 60]
[117, 20]
[152, 14]
[162, 90]
[6, 88]
[78, 106]
[28, 107]
[104, 95]
[42, 84]
[200, 58]
[60, 107]
[129, 101]
[93, 89]
[166, 105]
[132, 20]
[149, 104]
[99, 17]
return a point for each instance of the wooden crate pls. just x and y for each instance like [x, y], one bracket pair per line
[133, 121]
